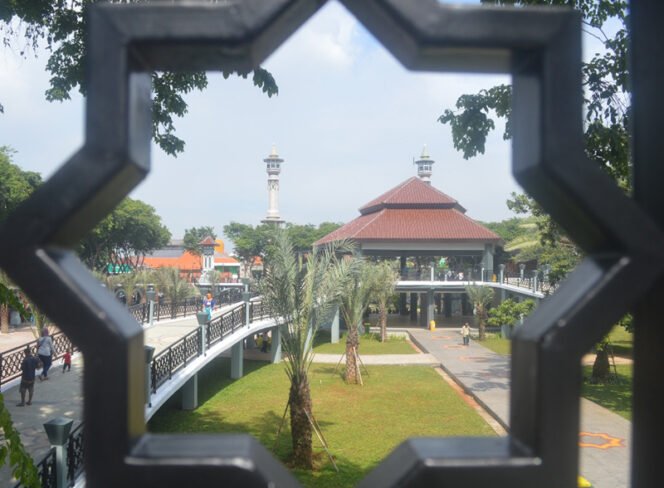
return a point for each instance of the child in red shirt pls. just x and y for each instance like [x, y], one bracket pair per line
[66, 361]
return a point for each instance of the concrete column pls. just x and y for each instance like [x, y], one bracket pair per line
[430, 307]
[334, 327]
[402, 304]
[275, 349]
[413, 307]
[237, 363]
[487, 260]
[447, 305]
[424, 312]
[190, 393]
[501, 280]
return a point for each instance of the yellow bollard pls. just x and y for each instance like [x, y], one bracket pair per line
[432, 325]
[584, 483]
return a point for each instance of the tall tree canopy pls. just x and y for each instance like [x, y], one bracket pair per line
[61, 26]
[605, 82]
[15, 184]
[125, 236]
[249, 242]
[194, 236]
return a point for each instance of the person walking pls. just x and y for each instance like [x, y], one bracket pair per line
[465, 333]
[208, 305]
[28, 368]
[45, 352]
[66, 361]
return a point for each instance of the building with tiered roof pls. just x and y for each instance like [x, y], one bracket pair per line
[424, 227]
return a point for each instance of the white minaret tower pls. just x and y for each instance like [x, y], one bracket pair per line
[273, 167]
[424, 166]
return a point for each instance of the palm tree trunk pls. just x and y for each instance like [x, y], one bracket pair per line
[482, 324]
[601, 366]
[4, 318]
[382, 314]
[352, 343]
[300, 409]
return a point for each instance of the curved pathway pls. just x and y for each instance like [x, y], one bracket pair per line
[604, 436]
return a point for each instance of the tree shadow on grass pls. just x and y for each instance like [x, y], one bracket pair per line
[264, 428]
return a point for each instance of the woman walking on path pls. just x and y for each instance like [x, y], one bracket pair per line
[45, 352]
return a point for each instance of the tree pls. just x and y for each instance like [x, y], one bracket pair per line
[304, 236]
[194, 236]
[124, 236]
[509, 312]
[173, 286]
[300, 294]
[249, 242]
[15, 184]
[385, 278]
[605, 80]
[62, 25]
[357, 278]
[481, 297]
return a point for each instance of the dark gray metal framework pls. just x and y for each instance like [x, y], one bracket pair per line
[541, 49]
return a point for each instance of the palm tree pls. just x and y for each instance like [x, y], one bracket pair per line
[357, 277]
[300, 293]
[172, 285]
[481, 297]
[385, 278]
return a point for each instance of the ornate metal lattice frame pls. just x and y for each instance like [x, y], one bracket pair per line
[540, 48]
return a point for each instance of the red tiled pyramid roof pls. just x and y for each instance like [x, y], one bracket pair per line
[412, 211]
[412, 225]
[412, 193]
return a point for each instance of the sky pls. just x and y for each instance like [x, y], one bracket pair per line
[348, 122]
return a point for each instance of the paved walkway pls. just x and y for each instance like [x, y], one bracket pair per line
[485, 375]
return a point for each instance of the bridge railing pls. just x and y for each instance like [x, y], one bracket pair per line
[176, 357]
[11, 359]
[46, 470]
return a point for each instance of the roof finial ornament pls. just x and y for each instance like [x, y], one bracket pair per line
[424, 165]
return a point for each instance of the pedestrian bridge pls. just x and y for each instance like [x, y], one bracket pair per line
[177, 366]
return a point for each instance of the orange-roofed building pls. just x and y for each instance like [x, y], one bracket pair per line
[192, 266]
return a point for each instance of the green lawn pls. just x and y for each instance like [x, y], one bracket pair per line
[497, 344]
[616, 395]
[362, 424]
[369, 344]
[621, 340]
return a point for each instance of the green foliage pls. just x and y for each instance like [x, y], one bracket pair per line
[481, 298]
[605, 80]
[194, 236]
[12, 450]
[62, 26]
[15, 184]
[172, 285]
[249, 242]
[509, 312]
[510, 229]
[301, 294]
[471, 126]
[124, 236]
[304, 236]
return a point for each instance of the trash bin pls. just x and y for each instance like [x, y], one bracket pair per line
[432, 325]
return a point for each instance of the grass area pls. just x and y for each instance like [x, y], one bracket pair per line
[616, 395]
[369, 344]
[497, 344]
[362, 424]
[621, 340]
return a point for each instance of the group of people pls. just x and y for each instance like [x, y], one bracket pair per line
[43, 360]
